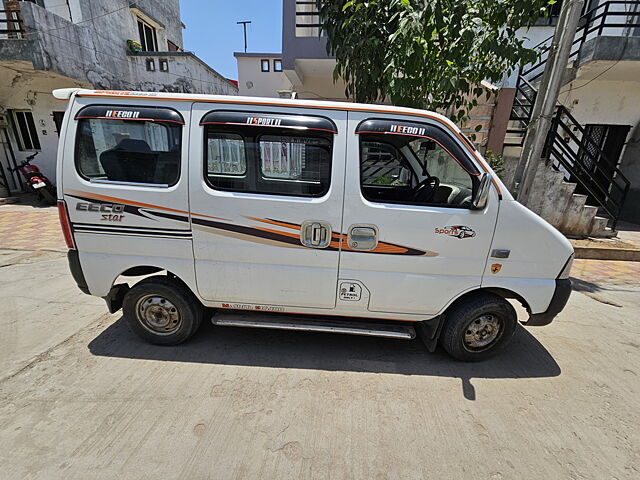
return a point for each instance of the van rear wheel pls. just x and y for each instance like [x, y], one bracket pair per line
[162, 311]
[478, 327]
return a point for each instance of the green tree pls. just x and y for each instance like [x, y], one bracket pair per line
[430, 54]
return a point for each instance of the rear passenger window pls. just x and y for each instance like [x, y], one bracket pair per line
[129, 144]
[226, 155]
[271, 154]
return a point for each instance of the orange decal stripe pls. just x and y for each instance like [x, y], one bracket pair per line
[286, 234]
[137, 204]
[275, 222]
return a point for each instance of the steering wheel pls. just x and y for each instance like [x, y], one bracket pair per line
[426, 189]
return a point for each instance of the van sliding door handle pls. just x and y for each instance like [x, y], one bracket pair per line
[362, 237]
[315, 234]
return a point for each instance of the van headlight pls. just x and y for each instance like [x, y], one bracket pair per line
[566, 270]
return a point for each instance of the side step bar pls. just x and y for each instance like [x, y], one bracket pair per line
[313, 324]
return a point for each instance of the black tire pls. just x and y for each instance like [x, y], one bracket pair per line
[167, 322]
[47, 197]
[474, 320]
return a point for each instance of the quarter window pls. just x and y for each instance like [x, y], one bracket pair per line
[125, 150]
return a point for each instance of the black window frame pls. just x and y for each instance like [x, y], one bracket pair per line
[58, 118]
[277, 61]
[438, 135]
[254, 176]
[144, 39]
[263, 62]
[31, 141]
[125, 182]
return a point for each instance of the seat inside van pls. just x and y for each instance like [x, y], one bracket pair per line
[132, 160]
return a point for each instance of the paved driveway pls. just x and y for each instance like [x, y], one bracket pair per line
[80, 397]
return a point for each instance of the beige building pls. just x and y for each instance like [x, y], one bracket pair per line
[261, 75]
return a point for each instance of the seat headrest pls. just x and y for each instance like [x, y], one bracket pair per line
[133, 145]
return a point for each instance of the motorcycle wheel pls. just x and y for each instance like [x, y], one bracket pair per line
[47, 197]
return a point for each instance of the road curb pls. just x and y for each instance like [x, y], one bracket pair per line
[594, 253]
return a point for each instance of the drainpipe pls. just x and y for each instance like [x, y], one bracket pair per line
[544, 106]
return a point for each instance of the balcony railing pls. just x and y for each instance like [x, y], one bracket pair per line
[616, 18]
[11, 25]
[307, 19]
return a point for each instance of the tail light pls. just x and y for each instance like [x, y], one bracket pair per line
[64, 223]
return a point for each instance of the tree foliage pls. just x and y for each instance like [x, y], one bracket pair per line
[430, 54]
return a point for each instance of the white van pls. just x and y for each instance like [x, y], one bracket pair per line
[320, 216]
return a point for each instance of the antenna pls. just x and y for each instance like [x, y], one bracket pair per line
[244, 27]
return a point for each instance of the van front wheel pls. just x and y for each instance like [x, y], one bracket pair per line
[478, 327]
[162, 311]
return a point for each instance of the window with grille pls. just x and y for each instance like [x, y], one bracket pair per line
[24, 130]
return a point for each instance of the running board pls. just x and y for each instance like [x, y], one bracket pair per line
[313, 324]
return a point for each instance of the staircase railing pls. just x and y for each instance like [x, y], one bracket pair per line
[569, 147]
[572, 150]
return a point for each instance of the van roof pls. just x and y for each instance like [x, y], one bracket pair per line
[66, 93]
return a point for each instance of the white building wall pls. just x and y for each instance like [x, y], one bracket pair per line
[254, 82]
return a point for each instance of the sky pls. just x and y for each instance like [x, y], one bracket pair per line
[213, 35]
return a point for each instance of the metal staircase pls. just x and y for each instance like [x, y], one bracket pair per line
[584, 190]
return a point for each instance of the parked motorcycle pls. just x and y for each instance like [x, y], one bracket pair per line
[36, 181]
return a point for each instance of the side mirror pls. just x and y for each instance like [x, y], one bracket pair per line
[481, 196]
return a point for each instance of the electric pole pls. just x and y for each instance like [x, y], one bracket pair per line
[244, 27]
[546, 99]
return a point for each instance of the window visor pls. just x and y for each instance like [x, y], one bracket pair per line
[117, 112]
[419, 130]
[301, 123]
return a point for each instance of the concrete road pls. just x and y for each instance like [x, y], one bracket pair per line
[80, 397]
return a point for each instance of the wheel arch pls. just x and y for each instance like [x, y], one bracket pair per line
[499, 291]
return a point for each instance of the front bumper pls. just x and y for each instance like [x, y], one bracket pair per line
[558, 302]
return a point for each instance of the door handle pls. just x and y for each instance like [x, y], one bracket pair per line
[315, 234]
[362, 237]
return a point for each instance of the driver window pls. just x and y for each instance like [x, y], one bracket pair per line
[455, 184]
[381, 164]
[413, 170]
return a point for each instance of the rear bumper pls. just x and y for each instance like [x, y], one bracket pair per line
[558, 302]
[76, 270]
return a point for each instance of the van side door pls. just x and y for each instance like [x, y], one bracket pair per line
[412, 239]
[266, 188]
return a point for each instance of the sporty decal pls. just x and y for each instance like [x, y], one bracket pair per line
[458, 231]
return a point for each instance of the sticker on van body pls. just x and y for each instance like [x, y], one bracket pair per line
[458, 231]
